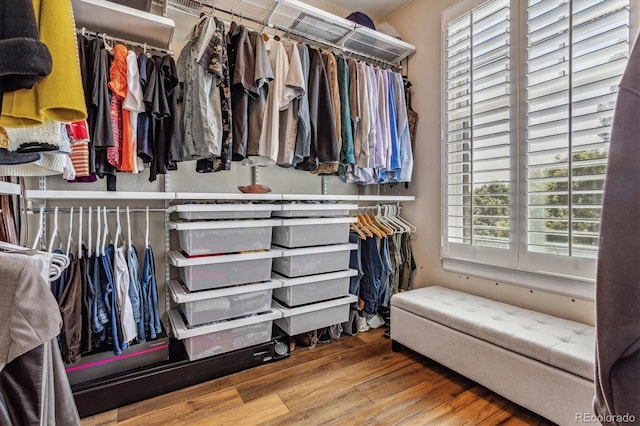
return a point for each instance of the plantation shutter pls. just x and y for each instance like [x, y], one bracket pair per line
[477, 130]
[576, 54]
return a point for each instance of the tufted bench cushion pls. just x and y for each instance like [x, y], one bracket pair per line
[565, 344]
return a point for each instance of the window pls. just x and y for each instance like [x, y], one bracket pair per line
[529, 91]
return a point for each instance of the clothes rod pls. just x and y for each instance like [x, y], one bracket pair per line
[76, 210]
[105, 36]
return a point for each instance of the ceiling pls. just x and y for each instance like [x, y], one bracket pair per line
[378, 10]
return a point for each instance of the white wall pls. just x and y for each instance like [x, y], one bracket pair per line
[419, 24]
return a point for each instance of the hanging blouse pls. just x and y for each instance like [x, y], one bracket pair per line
[303, 136]
[296, 83]
[133, 103]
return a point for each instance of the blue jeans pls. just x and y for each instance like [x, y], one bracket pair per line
[355, 263]
[135, 292]
[99, 317]
[372, 269]
[150, 294]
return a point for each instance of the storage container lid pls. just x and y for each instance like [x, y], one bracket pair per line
[318, 221]
[290, 282]
[223, 224]
[181, 295]
[177, 258]
[181, 331]
[315, 250]
[313, 307]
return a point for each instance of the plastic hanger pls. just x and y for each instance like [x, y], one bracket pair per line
[105, 231]
[118, 227]
[80, 234]
[99, 233]
[40, 228]
[146, 234]
[129, 243]
[411, 228]
[56, 231]
[70, 232]
[90, 229]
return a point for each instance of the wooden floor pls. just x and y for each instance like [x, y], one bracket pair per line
[352, 381]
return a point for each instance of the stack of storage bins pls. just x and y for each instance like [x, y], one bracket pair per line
[314, 267]
[225, 288]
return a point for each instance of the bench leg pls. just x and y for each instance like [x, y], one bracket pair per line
[396, 347]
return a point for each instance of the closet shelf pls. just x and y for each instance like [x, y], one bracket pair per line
[124, 22]
[386, 198]
[97, 195]
[307, 22]
[225, 196]
[8, 188]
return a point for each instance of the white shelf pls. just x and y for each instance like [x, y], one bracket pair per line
[387, 198]
[124, 22]
[9, 188]
[225, 196]
[98, 195]
[306, 22]
[223, 207]
[318, 197]
[181, 295]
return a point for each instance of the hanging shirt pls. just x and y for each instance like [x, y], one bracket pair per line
[121, 284]
[248, 76]
[216, 61]
[346, 153]
[296, 82]
[404, 141]
[323, 130]
[122, 128]
[383, 113]
[303, 134]
[134, 104]
[201, 107]
[143, 115]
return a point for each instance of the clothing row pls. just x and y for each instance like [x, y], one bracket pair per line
[385, 266]
[266, 101]
[108, 301]
[34, 388]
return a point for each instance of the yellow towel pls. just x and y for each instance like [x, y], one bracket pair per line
[59, 96]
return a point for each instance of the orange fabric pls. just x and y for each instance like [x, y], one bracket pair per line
[118, 86]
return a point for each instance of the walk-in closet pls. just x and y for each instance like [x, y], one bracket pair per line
[318, 211]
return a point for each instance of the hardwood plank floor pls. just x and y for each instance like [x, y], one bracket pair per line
[356, 380]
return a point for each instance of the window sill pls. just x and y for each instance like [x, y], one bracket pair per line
[581, 288]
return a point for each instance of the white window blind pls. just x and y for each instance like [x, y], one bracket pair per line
[477, 128]
[526, 130]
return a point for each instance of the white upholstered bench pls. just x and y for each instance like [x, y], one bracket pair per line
[538, 361]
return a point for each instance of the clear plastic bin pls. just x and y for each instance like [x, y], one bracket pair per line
[313, 288]
[314, 316]
[208, 340]
[313, 260]
[226, 307]
[198, 238]
[211, 272]
[314, 210]
[312, 232]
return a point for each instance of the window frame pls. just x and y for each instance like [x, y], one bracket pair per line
[572, 276]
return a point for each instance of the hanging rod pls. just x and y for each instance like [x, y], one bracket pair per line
[106, 36]
[204, 4]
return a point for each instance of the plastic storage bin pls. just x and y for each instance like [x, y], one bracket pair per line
[313, 288]
[208, 272]
[313, 260]
[312, 232]
[224, 211]
[228, 236]
[316, 315]
[314, 210]
[215, 305]
[213, 339]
